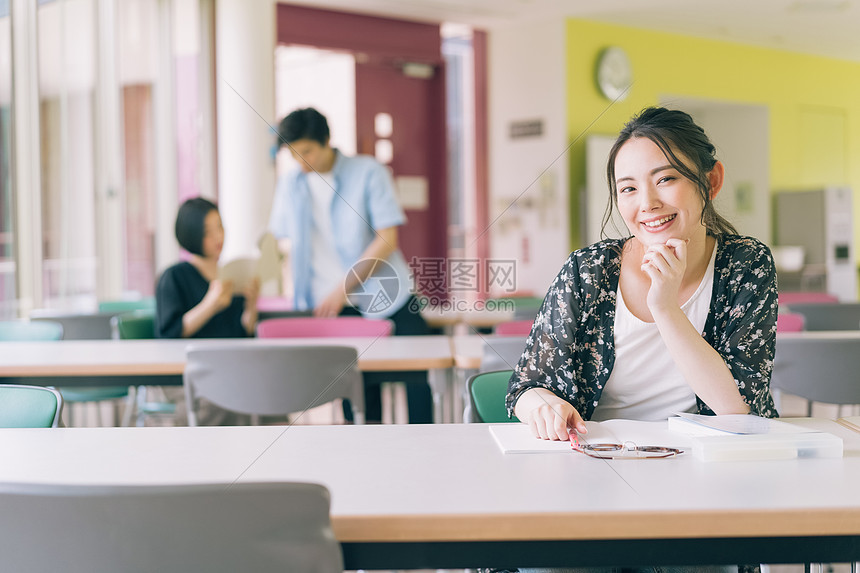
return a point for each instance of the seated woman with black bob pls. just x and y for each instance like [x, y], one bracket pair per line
[191, 302]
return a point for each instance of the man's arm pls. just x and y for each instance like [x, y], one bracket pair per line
[380, 247]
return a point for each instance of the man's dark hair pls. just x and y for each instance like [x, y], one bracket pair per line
[306, 123]
[190, 224]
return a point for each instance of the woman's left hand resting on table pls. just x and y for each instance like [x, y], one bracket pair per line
[548, 416]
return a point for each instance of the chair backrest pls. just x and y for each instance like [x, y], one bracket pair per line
[249, 527]
[29, 406]
[833, 316]
[487, 391]
[134, 325]
[807, 297]
[502, 353]
[124, 306]
[12, 330]
[514, 328]
[80, 326]
[310, 327]
[820, 368]
[271, 380]
[790, 322]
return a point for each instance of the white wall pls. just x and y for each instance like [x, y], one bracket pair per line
[529, 191]
[741, 133]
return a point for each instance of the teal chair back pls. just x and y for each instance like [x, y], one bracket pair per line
[12, 330]
[135, 325]
[29, 406]
[487, 391]
[123, 306]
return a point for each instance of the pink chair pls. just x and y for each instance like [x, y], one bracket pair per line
[310, 327]
[790, 322]
[514, 327]
[806, 297]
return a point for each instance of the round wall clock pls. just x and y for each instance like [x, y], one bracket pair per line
[614, 73]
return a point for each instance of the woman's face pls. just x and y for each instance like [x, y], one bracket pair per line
[213, 235]
[655, 200]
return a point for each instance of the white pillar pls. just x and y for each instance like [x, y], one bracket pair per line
[27, 181]
[245, 87]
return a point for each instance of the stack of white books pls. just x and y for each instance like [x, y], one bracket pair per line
[749, 437]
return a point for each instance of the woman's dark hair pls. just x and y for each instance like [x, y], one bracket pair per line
[672, 131]
[190, 224]
[305, 123]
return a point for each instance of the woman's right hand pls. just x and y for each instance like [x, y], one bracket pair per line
[220, 294]
[548, 416]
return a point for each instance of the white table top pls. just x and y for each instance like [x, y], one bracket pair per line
[451, 482]
[166, 357]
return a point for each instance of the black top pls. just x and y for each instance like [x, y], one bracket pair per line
[180, 289]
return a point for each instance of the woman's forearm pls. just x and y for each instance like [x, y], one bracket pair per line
[699, 363]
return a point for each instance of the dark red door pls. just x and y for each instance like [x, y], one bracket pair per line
[416, 106]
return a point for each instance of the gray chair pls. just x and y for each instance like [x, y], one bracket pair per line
[829, 316]
[819, 368]
[253, 527]
[502, 352]
[78, 326]
[29, 406]
[271, 380]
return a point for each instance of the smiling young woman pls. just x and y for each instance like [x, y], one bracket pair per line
[679, 316]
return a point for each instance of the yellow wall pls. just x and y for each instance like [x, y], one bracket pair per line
[814, 102]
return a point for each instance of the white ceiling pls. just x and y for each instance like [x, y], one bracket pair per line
[824, 27]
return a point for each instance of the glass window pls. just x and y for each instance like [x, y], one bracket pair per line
[8, 308]
[137, 71]
[67, 76]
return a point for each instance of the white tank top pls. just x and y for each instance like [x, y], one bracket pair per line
[645, 384]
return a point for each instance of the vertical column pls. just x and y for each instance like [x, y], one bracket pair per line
[244, 51]
[26, 174]
[166, 200]
[110, 214]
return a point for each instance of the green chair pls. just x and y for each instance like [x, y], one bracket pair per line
[29, 406]
[23, 330]
[125, 306]
[525, 307]
[134, 325]
[140, 324]
[88, 327]
[487, 391]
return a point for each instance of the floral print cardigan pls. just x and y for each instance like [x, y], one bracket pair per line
[571, 350]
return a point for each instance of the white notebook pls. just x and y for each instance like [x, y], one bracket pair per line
[517, 438]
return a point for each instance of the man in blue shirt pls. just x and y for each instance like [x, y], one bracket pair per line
[342, 217]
